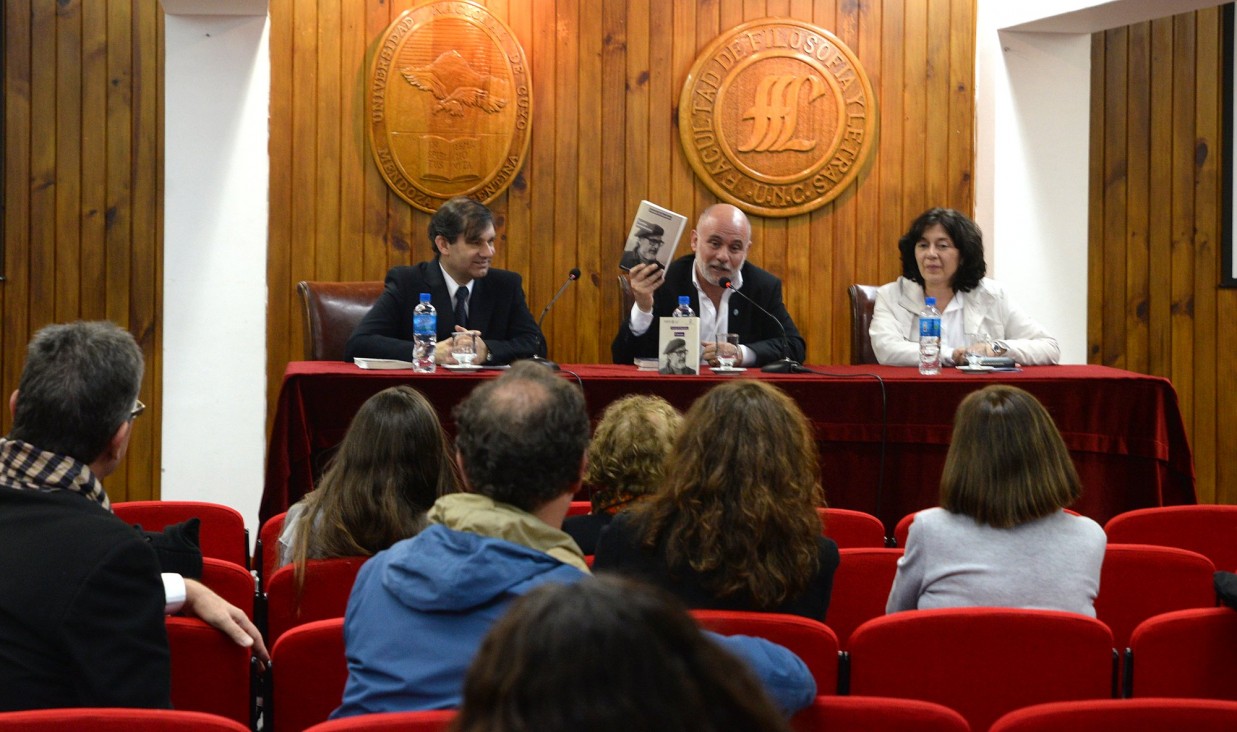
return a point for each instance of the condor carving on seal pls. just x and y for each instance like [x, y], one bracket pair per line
[455, 85]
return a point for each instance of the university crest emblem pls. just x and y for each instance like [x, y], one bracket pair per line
[777, 117]
[449, 104]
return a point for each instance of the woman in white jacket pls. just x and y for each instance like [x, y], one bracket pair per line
[943, 257]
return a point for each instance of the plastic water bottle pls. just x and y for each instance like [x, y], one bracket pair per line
[684, 310]
[929, 338]
[424, 335]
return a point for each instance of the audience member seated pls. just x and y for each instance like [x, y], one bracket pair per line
[1000, 537]
[392, 465]
[626, 460]
[943, 257]
[610, 655]
[735, 527]
[81, 593]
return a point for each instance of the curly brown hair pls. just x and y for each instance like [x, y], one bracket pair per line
[627, 455]
[739, 504]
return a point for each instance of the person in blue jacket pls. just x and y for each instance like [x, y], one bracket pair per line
[419, 610]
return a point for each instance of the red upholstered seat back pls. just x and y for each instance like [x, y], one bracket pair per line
[210, 673]
[861, 587]
[117, 720]
[1141, 580]
[308, 674]
[222, 533]
[850, 528]
[1208, 530]
[1123, 715]
[1186, 653]
[811, 640]
[877, 714]
[982, 662]
[331, 312]
[328, 583]
[436, 720]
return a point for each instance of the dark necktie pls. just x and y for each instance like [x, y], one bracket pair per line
[461, 307]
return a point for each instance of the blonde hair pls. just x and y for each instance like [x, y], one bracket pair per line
[1007, 463]
[627, 455]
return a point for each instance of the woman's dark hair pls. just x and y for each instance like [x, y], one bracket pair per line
[1007, 463]
[607, 655]
[966, 237]
[739, 504]
[393, 463]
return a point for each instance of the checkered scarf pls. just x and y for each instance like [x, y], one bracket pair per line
[25, 467]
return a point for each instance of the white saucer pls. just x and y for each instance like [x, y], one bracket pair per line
[727, 370]
[462, 367]
[974, 369]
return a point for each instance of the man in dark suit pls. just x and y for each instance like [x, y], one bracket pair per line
[468, 294]
[721, 241]
[82, 598]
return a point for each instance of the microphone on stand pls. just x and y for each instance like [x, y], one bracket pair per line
[784, 365]
[572, 276]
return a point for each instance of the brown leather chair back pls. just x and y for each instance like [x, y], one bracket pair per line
[332, 311]
[862, 305]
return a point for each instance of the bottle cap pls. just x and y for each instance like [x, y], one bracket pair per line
[684, 301]
[425, 297]
[929, 301]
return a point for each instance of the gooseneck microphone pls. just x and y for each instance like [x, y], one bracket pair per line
[572, 276]
[785, 364]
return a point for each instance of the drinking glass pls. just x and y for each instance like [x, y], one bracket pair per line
[976, 348]
[463, 348]
[727, 350]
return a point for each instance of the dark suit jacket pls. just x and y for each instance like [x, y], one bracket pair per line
[82, 607]
[756, 330]
[496, 308]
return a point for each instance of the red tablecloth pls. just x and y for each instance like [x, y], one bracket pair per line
[1124, 430]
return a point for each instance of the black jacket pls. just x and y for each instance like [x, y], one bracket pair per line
[496, 308]
[756, 330]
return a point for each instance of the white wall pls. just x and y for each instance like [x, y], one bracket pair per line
[215, 223]
[1033, 69]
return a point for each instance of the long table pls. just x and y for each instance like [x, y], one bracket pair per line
[1124, 430]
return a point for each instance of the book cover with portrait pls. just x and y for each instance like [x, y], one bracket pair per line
[655, 234]
[678, 346]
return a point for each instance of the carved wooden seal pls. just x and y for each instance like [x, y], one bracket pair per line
[777, 116]
[449, 104]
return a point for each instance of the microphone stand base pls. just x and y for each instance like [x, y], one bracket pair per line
[782, 366]
[542, 360]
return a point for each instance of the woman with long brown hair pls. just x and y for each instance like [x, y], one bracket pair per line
[393, 463]
[735, 526]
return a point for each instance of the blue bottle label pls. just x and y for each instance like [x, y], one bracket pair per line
[424, 323]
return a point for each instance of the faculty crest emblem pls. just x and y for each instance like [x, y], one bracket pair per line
[449, 104]
[777, 117]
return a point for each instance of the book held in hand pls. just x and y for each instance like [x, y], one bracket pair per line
[654, 236]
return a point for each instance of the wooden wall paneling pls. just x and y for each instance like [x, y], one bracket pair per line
[936, 100]
[374, 245]
[68, 188]
[118, 212]
[1095, 211]
[842, 239]
[328, 247]
[539, 247]
[961, 190]
[146, 279]
[749, 10]
[93, 146]
[636, 152]
[614, 216]
[1137, 164]
[891, 155]
[566, 243]
[42, 237]
[284, 326]
[1159, 219]
[682, 177]
[585, 302]
[1115, 91]
[708, 26]
[18, 208]
[915, 194]
[353, 75]
[1182, 202]
[1207, 191]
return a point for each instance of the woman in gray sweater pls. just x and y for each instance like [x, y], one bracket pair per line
[1001, 537]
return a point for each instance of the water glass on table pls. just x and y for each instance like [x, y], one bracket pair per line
[976, 348]
[463, 348]
[728, 350]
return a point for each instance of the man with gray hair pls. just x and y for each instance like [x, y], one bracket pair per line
[81, 593]
[419, 610]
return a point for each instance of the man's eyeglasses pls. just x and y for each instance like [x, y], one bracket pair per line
[138, 408]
